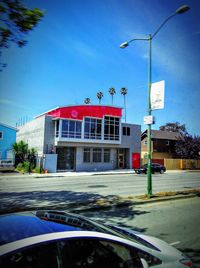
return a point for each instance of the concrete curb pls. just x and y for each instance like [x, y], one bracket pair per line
[133, 203]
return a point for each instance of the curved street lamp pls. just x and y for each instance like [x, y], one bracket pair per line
[149, 38]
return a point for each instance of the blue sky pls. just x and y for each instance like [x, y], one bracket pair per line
[74, 52]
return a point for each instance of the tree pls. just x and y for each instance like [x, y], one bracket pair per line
[99, 96]
[16, 21]
[23, 153]
[188, 147]
[20, 150]
[87, 101]
[112, 92]
[175, 127]
[124, 91]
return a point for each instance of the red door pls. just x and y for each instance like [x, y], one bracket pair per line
[135, 160]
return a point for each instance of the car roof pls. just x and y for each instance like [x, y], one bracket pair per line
[14, 227]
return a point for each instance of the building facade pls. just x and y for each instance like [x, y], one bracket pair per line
[7, 138]
[83, 138]
[162, 144]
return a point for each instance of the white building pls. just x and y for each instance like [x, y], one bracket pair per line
[83, 138]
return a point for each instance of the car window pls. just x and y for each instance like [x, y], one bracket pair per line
[95, 253]
[45, 255]
[75, 253]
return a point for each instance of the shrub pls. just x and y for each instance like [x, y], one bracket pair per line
[24, 167]
[37, 170]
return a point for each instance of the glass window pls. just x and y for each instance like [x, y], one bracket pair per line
[111, 128]
[92, 128]
[97, 155]
[86, 155]
[106, 156]
[126, 131]
[1, 135]
[57, 128]
[45, 255]
[97, 253]
[71, 129]
[78, 128]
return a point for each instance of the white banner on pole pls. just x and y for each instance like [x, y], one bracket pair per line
[157, 95]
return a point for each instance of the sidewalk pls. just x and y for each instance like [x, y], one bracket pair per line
[94, 173]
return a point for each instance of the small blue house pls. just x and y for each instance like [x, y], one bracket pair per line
[7, 138]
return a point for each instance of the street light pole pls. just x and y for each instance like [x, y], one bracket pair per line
[150, 37]
[149, 176]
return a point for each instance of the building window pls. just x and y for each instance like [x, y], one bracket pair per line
[111, 128]
[86, 155]
[126, 131]
[92, 128]
[57, 128]
[167, 143]
[71, 129]
[106, 156]
[145, 142]
[1, 135]
[97, 155]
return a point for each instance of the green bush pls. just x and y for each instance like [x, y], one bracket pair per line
[24, 167]
[37, 170]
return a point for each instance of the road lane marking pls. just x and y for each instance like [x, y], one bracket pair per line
[175, 243]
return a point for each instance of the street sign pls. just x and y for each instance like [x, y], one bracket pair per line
[148, 120]
[157, 95]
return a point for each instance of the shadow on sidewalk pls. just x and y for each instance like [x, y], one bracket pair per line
[69, 201]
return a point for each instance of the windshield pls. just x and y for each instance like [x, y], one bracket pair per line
[91, 225]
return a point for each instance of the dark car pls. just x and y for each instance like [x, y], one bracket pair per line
[155, 167]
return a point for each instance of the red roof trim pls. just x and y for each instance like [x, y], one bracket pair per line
[80, 111]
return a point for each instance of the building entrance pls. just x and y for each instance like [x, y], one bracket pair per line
[121, 161]
[66, 158]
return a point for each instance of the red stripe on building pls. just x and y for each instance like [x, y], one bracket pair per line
[78, 112]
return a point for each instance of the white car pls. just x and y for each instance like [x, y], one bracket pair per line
[56, 239]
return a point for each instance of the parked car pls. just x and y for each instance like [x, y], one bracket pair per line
[58, 239]
[155, 167]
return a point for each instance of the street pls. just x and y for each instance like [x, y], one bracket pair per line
[177, 222]
[20, 192]
[115, 184]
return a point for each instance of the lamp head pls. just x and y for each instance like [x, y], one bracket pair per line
[124, 45]
[182, 9]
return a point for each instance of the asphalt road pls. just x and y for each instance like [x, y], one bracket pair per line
[177, 222]
[117, 184]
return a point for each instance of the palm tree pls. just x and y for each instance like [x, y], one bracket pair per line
[99, 96]
[20, 150]
[87, 101]
[123, 91]
[112, 92]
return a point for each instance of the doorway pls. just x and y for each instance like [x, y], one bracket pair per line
[66, 158]
[120, 160]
